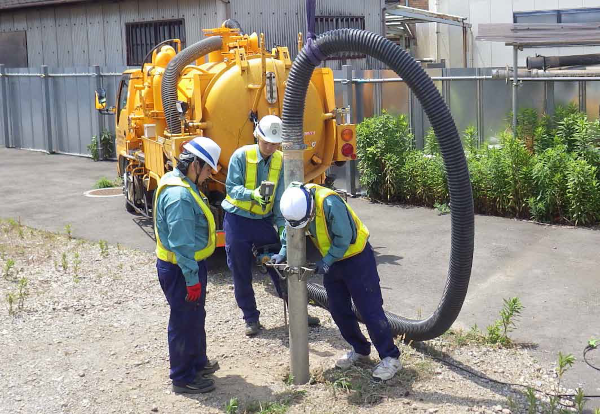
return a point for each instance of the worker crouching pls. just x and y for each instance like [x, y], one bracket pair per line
[185, 236]
[349, 272]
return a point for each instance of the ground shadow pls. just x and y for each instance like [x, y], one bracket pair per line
[359, 387]
[250, 396]
[146, 225]
[386, 258]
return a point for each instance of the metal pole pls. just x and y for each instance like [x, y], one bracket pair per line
[293, 165]
[465, 45]
[348, 97]
[480, 123]
[515, 98]
[5, 120]
[583, 96]
[47, 112]
[100, 117]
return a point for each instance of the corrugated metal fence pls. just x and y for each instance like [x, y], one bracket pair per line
[53, 109]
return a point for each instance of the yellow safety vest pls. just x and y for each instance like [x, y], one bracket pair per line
[322, 241]
[168, 256]
[251, 180]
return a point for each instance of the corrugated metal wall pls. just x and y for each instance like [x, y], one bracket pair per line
[88, 34]
[73, 117]
[282, 20]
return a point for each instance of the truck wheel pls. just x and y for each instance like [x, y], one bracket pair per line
[128, 192]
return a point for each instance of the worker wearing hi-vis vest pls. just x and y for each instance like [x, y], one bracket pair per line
[185, 236]
[251, 220]
[349, 272]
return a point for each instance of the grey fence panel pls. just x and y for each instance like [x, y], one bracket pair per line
[531, 95]
[566, 93]
[88, 121]
[593, 99]
[462, 99]
[37, 110]
[395, 96]
[497, 102]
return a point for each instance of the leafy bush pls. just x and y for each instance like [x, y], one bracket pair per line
[105, 142]
[549, 172]
[382, 145]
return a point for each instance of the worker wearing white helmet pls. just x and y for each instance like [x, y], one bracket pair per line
[185, 236]
[251, 220]
[349, 271]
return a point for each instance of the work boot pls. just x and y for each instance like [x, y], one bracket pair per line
[252, 328]
[349, 359]
[198, 386]
[210, 368]
[387, 368]
[313, 321]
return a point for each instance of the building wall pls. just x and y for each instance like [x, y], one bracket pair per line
[445, 42]
[86, 34]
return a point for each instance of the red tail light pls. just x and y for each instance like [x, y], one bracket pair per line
[347, 150]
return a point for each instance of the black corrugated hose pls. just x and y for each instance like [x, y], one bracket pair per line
[459, 184]
[168, 87]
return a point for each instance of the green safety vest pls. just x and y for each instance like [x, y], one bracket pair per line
[251, 181]
[322, 239]
[168, 256]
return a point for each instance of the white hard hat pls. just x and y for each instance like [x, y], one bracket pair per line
[269, 128]
[297, 205]
[206, 149]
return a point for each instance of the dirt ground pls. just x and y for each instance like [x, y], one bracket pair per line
[83, 330]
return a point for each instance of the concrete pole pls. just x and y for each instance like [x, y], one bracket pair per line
[293, 156]
[515, 91]
[4, 103]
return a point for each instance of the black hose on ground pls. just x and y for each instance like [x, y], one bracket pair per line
[459, 184]
[168, 88]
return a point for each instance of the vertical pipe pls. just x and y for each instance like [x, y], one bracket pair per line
[549, 88]
[465, 45]
[348, 97]
[100, 118]
[4, 103]
[293, 165]
[47, 112]
[515, 98]
[583, 96]
[480, 126]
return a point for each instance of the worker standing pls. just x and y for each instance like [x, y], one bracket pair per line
[349, 272]
[185, 236]
[250, 219]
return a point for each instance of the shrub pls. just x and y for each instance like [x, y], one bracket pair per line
[424, 178]
[583, 192]
[382, 144]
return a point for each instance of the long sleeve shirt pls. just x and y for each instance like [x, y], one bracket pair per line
[182, 226]
[340, 225]
[235, 185]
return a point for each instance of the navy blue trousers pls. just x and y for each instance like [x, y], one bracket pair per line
[356, 279]
[240, 234]
[187, 337]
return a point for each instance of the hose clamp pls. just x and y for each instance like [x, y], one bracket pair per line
[315, 56]
[293, 146]
[283, 270]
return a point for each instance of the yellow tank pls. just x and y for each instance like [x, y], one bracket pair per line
[222, 92]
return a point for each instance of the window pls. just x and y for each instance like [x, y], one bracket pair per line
[325, 23]
[13, 49]
[559, 16]
[142, 37]
[122, 95]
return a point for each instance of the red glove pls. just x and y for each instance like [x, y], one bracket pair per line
[194, 292]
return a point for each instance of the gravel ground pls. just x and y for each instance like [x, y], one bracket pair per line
[89, 336]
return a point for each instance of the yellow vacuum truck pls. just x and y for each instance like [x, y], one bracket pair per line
[217, 88]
